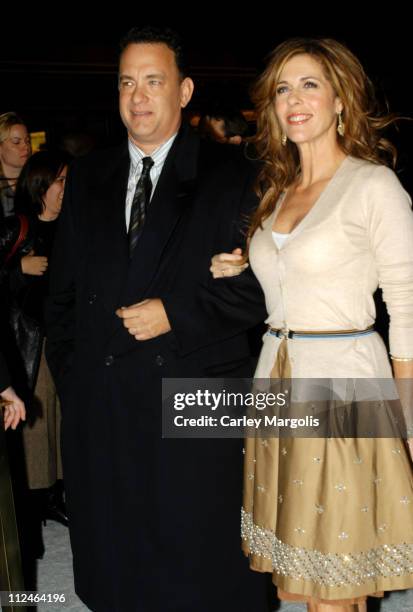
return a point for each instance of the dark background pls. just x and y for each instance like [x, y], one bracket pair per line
[58, 67]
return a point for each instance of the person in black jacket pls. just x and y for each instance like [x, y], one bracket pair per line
[14, 410]
[10, 563]
[34, 450]
[23, 269]
[39, 194]
[153, 522]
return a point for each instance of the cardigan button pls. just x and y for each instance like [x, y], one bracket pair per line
[92, 298]
[109, 359]
[159, 360]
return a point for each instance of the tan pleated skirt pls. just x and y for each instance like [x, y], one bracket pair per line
[330, 518]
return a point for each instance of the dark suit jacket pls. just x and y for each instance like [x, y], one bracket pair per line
[149, 516]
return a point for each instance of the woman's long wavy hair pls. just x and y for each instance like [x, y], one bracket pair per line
[361, 117]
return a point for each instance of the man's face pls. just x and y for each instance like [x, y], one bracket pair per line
[151, 94]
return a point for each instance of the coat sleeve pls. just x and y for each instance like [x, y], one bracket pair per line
[4, 375]
[218, 309]
[390, 229]
[10, 270]
[60, 303]
[9, 232]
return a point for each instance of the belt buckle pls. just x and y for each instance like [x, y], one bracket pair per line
[284, 333]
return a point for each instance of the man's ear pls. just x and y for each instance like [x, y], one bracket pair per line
[187, 89]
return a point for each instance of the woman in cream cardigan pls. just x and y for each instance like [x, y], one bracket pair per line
[330, 518]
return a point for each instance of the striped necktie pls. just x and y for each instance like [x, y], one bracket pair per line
[139, 204]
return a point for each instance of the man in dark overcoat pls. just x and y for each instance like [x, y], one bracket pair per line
[154, 523]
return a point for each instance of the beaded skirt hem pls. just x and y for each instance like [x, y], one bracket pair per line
[303, 572]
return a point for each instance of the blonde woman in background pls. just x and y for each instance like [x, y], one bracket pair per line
[15, 149]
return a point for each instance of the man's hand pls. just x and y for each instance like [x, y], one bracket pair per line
[146, 319]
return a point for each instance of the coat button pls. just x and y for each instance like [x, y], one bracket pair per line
[92, 298]
[159, 360]
[109, 359]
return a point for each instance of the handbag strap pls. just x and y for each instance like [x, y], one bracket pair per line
[24, 227]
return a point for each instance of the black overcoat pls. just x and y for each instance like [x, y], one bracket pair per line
[4, 375]
[154, 523]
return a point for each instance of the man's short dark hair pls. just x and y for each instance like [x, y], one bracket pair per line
[153, 35]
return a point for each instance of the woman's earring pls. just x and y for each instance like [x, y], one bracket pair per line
[284, 140]
[340, 125]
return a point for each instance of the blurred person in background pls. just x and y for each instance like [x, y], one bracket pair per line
[223, 124]
[13, 412]
[15, 149]
[26, 240]
[39, 194]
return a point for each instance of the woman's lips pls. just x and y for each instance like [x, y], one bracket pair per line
[298, 119]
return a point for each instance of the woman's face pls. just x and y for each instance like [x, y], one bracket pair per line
[15, 149]
[305, 102]
[53, 197]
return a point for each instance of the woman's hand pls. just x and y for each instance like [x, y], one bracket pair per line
[32, 264]
[14, 409]
[228, 264]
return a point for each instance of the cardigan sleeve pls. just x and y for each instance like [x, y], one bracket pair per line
[390, 228]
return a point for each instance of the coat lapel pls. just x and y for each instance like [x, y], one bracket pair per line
[172, 195]
[111, 239]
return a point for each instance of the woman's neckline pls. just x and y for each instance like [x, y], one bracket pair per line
[316, 203]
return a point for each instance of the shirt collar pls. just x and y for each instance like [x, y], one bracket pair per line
[159, 155]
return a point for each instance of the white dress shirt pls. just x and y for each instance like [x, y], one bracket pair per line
[136, 155]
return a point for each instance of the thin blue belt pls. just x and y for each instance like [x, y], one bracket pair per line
[348, 333]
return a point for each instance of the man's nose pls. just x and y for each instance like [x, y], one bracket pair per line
[139, 94]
